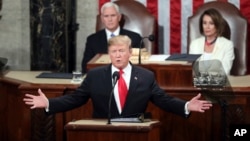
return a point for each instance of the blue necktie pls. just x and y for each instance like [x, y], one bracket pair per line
[112, 35]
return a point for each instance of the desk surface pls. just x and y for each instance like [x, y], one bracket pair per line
[239, 81]
[30, 76]
[101, 124]
[104, 123]
[152, 59]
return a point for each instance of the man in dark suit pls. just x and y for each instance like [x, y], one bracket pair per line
[97, 42]
[140, 84]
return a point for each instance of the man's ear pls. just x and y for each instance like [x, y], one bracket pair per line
[130, 51]
[101, 16]
[120, 16]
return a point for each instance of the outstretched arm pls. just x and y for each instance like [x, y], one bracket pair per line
[197, 105]
[36, 101]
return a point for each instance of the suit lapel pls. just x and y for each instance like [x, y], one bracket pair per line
[108, 78]
[217, 50]
[122, 32]
[109, 84]
[103, 40]
[132, 86]
[133, 80]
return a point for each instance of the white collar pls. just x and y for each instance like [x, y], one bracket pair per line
[116, 32]
[126, 70]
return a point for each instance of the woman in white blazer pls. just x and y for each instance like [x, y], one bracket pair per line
[213, 47]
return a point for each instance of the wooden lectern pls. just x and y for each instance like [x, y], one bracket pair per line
[99, 130]
[179, 72]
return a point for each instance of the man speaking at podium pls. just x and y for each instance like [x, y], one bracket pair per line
[135, 87]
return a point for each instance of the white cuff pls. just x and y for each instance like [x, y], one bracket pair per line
[187, 112]
[47, 108]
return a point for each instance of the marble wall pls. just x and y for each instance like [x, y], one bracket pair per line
[15, 31]
[86, 17]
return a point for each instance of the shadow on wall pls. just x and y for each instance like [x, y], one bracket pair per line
[1, 3]
[3, 62]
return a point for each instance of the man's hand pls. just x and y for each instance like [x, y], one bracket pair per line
[39, 101]
[198, 105]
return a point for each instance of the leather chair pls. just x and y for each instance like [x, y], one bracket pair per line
[135, 17]
[236, 31]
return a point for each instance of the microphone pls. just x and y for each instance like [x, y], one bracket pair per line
[115, 77]
[150, 38]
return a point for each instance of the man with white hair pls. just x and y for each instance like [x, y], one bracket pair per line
[97, 42]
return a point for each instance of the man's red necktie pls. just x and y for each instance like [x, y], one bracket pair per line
[122, 89]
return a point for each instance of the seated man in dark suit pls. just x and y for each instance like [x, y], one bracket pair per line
[97, 42]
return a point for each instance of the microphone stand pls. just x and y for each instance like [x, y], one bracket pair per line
[139, 61]
[116, 76]
[150, 38]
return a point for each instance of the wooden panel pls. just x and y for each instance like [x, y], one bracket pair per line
[167, 74]
[43, 126]
[98, 130]
[3, 112]
[19, 122]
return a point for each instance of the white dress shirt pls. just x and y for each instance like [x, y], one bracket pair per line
[115, 33]
[126, 75]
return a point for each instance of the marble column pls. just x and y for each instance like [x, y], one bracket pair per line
[1, 3]
[53, 37]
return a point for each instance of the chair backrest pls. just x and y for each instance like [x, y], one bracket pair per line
[236, 31]
[135, 17]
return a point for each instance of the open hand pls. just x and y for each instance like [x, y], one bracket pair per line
[36, 101]
[198, 105]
